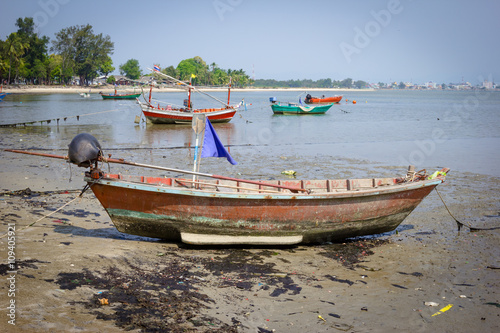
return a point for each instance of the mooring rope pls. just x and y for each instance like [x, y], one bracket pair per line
[48, 121]
[51, 213]
[461, 224]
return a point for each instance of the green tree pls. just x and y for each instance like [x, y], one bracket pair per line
[402, 85]
[35, 55]
[14, 48]
[107, 67]
[3, 61]
[186, 68]
[193, 66]
[346, 83]
[53, 65]
[360, 84]
[39, 71]
[171, 71]
[64, 46]
[83, 51]
[131, 69]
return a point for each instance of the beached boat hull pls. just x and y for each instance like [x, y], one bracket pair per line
[335, 209]
[2, 95]
[315, 100]
[120, 96]
[290, 109]
[176, 116]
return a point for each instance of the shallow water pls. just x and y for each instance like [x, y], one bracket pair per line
[430, 129]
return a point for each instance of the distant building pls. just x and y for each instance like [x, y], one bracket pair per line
[487, 84]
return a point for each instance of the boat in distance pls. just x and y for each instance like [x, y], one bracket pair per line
[280, 212]
[119, 96]
[168, 114]
[321, 100]
[294, 108]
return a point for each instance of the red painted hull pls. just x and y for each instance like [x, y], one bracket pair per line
[166, 208]
[177, 116]
[315, 100]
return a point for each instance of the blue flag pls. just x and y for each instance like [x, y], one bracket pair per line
[212, 147]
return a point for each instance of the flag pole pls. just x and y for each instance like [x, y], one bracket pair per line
[198, 125]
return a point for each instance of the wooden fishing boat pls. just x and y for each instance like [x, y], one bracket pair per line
[294, 108]
[2, 95]
[321, 100]
[228, 211]
[168, 113]
[119, 96]
[225, 210]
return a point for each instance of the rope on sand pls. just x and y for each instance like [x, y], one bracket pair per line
[51, 213]
[461, 224]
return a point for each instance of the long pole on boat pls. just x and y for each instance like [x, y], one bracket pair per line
[198, 125]
[229, 91]
[189, 92]
[122, 161]
[188, 86]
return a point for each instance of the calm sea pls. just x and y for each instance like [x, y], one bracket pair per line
[430, 129]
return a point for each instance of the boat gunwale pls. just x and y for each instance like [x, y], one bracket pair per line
[359, 192]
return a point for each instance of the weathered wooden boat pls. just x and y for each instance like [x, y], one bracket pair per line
[321, 100]
[168, 113]
[226, 211]
[119, 96]
[294, 108]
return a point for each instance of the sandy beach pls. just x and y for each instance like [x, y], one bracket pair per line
[74, 272]
[123, 89]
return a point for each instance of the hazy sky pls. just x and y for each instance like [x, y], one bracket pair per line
[375, 41]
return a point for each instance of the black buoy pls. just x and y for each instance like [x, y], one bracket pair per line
[83, 150]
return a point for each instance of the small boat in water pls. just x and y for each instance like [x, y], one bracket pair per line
[321, 100]
[225, 210]
[168, 114]
[119, 96]
[294, 108]
[165, 113]
[2, 95]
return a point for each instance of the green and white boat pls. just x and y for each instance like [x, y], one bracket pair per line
[294, 108]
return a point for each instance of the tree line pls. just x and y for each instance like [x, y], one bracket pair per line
[76, 51]
[306, 83]
[195, 70]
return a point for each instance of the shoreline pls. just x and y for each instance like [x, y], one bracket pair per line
[108, 89]
[74, 271]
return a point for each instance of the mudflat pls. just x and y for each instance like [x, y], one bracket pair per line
[73, 271]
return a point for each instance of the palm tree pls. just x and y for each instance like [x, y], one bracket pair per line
[15, 48]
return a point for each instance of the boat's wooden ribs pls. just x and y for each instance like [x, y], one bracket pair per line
[316, 186]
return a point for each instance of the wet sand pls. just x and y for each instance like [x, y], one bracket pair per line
[72, 261]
